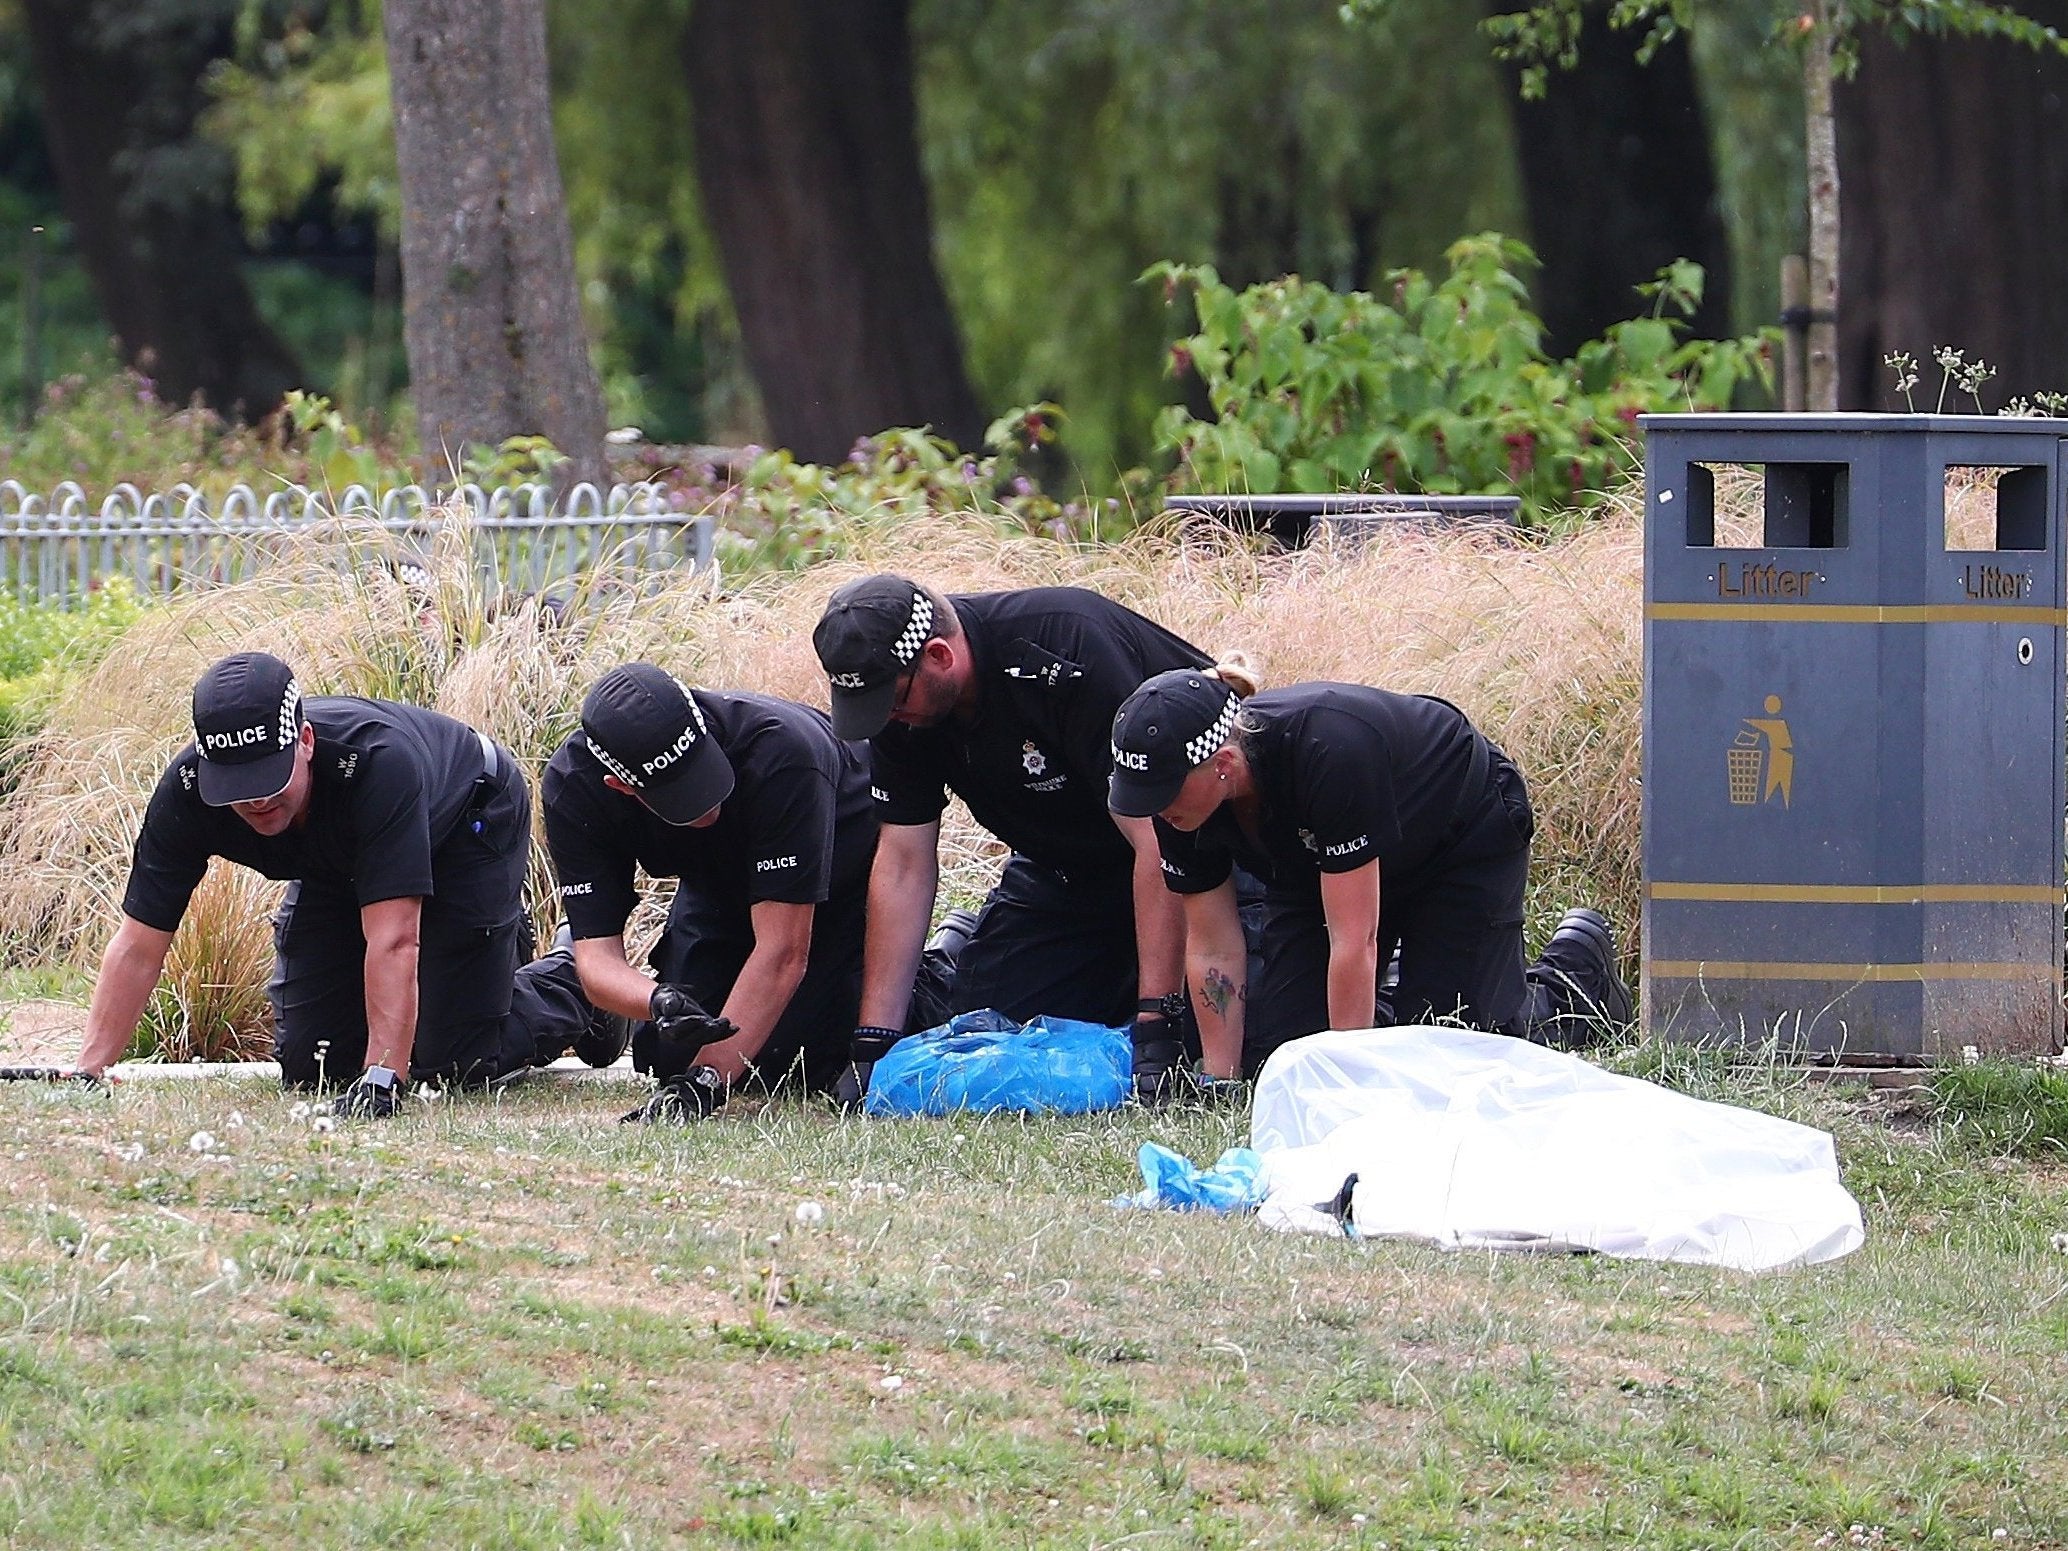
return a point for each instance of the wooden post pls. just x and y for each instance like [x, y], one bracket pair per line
[1795, 318]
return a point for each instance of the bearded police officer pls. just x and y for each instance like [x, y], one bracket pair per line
[1007, 700]
[405, 834]
[764, 817]
[1376, 821]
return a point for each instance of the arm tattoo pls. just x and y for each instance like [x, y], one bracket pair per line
[1219, 990]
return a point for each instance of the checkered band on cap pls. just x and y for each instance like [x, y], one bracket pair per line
[604, 757]
[917, 630]
[696, 712]
[1200, 749]
[290, 712]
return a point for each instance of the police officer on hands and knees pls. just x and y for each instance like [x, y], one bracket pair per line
[405, 834]
[1007, 699]
[1376, 821]
[764, 817]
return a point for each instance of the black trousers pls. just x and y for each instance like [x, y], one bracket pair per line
[479, 1015]
[1457, 925]
[1044, 944]
[705, 945]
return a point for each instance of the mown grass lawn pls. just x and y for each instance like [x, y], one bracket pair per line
[520, 1324]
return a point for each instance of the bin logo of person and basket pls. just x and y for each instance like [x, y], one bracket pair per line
[1762, 759]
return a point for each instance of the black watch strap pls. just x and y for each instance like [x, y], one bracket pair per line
[1172, 1005]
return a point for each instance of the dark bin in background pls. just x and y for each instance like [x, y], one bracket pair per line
[1853, 732]
[1294, 519]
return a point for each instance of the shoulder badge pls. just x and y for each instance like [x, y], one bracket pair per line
[1030, 663]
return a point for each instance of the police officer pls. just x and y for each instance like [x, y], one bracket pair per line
[1007, 700]
[1377, 821]
[764, 817]
[406, 835]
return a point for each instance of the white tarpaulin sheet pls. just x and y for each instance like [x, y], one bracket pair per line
[1478, 1141]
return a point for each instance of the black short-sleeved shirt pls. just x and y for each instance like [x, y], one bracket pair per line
[1347, 775]
[391, 786]
[1053, 665]
[798, 827]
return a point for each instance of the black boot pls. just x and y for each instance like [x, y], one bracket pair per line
[1576, 990]
[952, 934]
[605, 1039]
[607, 1034]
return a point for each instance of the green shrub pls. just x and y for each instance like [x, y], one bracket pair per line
[40, 643]
[2003, 1109]
[782, 514]
[34, 633]
[1443, 389]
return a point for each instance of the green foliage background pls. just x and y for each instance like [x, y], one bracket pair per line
[1067, 147]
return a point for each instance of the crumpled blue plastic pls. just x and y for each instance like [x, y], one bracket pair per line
[1234, 1184]
[983, 1061]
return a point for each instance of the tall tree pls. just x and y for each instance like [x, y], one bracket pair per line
[1956, 213]
[807, 161]
[1620, 182]
[1828, 33]
[150, 201]
[491, 313]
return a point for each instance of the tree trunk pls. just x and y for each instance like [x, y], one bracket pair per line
[150, 202]
[491, 313]
[1619, 181]
[1956, 211]
[1820, 143]
[807, 159]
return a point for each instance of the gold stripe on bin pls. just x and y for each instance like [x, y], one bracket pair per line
[1850, 974]
[1861, 613]
[1860, 894]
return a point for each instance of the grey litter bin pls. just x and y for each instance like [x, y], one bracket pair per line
[1294, 519]
[1853, 732]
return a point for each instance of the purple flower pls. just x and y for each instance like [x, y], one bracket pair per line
[1021, 485]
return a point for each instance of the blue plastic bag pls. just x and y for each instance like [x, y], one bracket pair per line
[1234, 1184]
[982, 1061]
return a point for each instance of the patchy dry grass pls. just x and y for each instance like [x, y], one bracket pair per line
[522, 1325]
[1539, 644]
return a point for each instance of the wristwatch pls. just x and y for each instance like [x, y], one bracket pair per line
[1171, 1005]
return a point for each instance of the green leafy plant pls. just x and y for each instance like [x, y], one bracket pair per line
[40, 642]
[1444, 387]
[784, 513]
[518, 460]
[337, 452]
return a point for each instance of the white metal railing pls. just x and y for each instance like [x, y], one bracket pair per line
[58, 546]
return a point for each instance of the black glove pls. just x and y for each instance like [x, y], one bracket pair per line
[692, 1096]
[865, 1047]
[681, 1028]
[373, 1097]
[1159, 1055]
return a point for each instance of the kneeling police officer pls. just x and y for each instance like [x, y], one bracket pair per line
[1007, 699]
[765, 819]
[405, 834]
[1377, 821]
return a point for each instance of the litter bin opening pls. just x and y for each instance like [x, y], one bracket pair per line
[1994, 507]
[1768, 505]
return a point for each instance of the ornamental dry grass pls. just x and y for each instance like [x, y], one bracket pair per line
[1539, 644]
